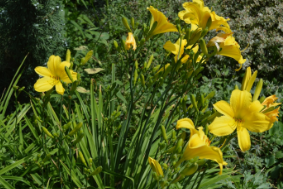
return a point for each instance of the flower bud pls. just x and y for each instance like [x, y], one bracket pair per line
[194, 102]
[251, 81]
[133, 22]
[67, 70]
[76, 129]
[135, 76]
[258, 90]
[190, 170]
[163, 132]
[195, 35]
[149, 61]
[47, 132]
[96, 171]
[142, 42]
[116, 44]
[173, 135]
[179, 146]
[142, 81]
[246, 78]
[68, 55]
[81, 156]
[79, 137]
[126, 24]
[165, 166]
[21, 89]
[203, 46]
[210, 95]
[201, 162]
[87, 57]
[66, 126]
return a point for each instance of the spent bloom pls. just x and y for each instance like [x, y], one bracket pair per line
[198, 15]
[159, 23]
[227, 46]
[130, 41]
[270, 109]
[241, 114]
[199, 145]
[53, 75]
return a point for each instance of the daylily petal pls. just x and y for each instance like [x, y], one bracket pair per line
[171, 47]
[232, 52]
[257, 122]
[60, 71]
[186, 123]
[240, 100]
[224, 108]
[59, 88]
[244, 139]
[222, 126]
[44, 84]
[204, 152]
[53, 64]
[43, 71]
[163, 25]
[218, 21]
[255, 106]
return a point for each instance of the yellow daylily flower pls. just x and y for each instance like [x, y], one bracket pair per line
[52, 75]
[130, 41]
[197, 15]
[241, 114]
[163, 25]
[174, 48]
[229, 47]
[199, 145]
[155, 166]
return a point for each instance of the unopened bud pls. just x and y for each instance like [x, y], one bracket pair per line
[76, 129]
[68, 55]
[67, 70]
[195, 35]
[149, 61]
[163, 132]
[81, 156]
[194, 102]
[133, 22]
[79, 137]
[246, 78]
[126, 24]
[47, 132]
[96, 171]
[251, 82]
[190, 170]
[258, 90]
[116, 44]
[87, 57]
[203, 46]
